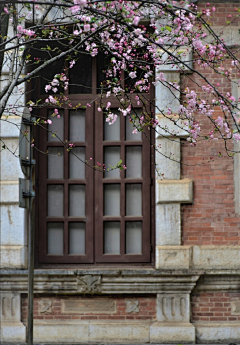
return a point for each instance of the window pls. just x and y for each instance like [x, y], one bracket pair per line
[84, 216]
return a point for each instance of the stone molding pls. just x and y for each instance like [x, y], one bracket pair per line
[13, 256]
[112, 281]
[198, 257]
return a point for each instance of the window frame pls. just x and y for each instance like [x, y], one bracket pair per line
[93, 236]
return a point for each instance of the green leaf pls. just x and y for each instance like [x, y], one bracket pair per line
[168, 28]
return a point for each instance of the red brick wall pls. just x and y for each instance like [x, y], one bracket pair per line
[214, 306]
[147, 308]
[211, 220]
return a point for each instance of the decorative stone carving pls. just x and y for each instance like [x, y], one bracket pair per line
[132, 306]
[173, 308]
[89, 284]
[235, 308]
[45, 306]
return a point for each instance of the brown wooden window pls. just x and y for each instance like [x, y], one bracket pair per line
[84, 216]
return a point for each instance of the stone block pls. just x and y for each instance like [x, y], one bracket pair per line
[168, 191]
[13, 332]
[10, 166]
[168, 224]
[16, 100]
[235, 308]
[64, 331]
[168, 158]
[119, 332]
[171, 333]
[173, 307]
[10, 126]
[13, 257]
[166, 98]
[217, 333]
[184, 54]
[173, 257]
[171, 126]
[12, 225]
[90, 305]
[216, 257]
[9, 192]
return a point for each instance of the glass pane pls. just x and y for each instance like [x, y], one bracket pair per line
[77, 166]
[133, 238]
[80, 75]
[103, 61]
[77, 200]
[133, 200]
[77, 238]
[130, 126]
[111, 158]
[112, 132]
[55, 238]
[112, 200]
[77, 125]
[55, 200]
[112, 238]
[55, 162]
[134, 161]
[56, 128]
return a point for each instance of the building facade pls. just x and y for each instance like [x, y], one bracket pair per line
[158, 263]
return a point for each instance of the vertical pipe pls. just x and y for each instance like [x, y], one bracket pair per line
[31, 246]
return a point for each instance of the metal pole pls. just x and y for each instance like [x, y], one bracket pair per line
[31, 247]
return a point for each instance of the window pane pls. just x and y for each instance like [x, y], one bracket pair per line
[112, 199]
[134, 161]
[133, 200]
[133, 238]
[77, 238]
[112, 132]
[80, 75]
[130, 126]
[77, 166]
[111, 158]
[55, 130]
[55, 200]
[55, 162]
[111, 237]
[77, 200]
[77, 125]
[55, 238]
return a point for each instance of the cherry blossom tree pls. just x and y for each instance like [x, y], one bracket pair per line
[141, 39]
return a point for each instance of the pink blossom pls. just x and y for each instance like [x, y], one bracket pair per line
[87, 27]
[135, 131]
[6, 10]
[136, 20]
[49, 121]
[82, 3]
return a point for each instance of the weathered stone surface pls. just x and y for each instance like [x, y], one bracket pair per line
[173, 257]
[10, 126]
[217, 333]
[89, 283]
[13, 257]
[167, 332]
[216, 257]
[9, 192]
[91, 305]
[119, 332]
[10, 166]
[168, 158]
[235, 308]
[61, 331]
[12, 225]
[173, 307]
[168, 224]
[164, 97]
[12, 330]
[132, 306]
[171, 125]
[174, 191]
[185, 57]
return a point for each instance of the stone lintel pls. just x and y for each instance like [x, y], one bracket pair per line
[173, 257]
[169, 191]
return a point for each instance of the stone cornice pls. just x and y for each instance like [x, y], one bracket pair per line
[101, 281]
